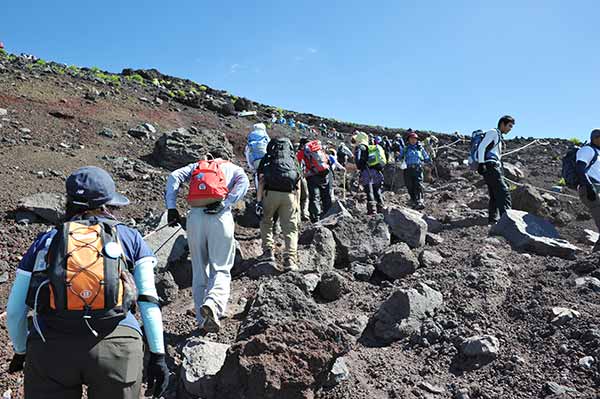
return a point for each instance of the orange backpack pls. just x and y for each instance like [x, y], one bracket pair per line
[86, 283]
[208, 184]
[317, 162]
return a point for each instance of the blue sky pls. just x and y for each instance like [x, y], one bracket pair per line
[438, 65]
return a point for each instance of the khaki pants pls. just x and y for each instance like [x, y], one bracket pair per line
[111, 367]
[286, 206]
[304, 199]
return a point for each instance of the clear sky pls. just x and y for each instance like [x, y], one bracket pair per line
[438, 65]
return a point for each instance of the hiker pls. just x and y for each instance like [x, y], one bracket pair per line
[216, 186]
[370, 160]
[430, 143]
[83, 330]
[317, 170]
[414, 155]
[488, 154]
[256, 148]
[588, 176]
[398, 146]
[386, 143]
[303, 200]
[292, 123]
[335, 165]
[279, 176]
[273, 119]
[343, 154]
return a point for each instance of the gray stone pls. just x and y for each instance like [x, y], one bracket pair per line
[202, 360]
[311, 281]
[431, 388]
[433, 225]
[433, 239]
[512, 171]
[586, 362]
[149, 128]
[430, 259]
[407, 225]
[276, 302]
[588, 282]
[106, 132]
[339, 373]
[481, 345]
[332, 286]
[552, 388]
[358, 240]
[337, 210]
[528, 199]
[3, 277]
[166, 287]
[3, 112]
[562, 316]
[180, 147]
[479, 203]
[531, 233]
[398, 261]
[139, 132]
[48, 206]
[401, 315]
[354, 325]
[263, 269]
[589, 237]
[319, 255]
[361, 271]
[169, 244]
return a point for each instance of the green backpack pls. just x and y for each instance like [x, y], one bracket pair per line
[376, 157]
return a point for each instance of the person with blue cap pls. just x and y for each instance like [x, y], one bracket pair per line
[82, 280]
[588, 177]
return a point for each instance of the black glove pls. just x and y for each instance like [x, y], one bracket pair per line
[158, 374]
[215, 208]
[16, 364]
[259, 210]
[591, 192]
[481, 168]
[173, 217]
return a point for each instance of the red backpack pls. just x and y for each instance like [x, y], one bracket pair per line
[208, 184]
[317, 161]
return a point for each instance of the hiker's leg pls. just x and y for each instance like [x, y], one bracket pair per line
[592, 206]
[419, 184]
[116, 365]
[198, 243]
[52, 368]
[288, 212]
[492, 208]
[313, 198]
[266, 223]
[325, 191]
[503, 200]
[304, 199]
[221, 256]
[409, 182]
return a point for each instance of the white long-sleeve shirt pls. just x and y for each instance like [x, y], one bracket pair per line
[237, 183]
[493, 141]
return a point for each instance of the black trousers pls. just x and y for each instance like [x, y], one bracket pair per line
[498, 191]
[373, 193]
[413, 178]
[319, 195]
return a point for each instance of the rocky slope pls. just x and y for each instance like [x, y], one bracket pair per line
[399, 305]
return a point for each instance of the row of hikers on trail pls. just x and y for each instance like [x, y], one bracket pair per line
[85, 278]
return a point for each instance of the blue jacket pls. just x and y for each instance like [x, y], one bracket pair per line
[414, 155]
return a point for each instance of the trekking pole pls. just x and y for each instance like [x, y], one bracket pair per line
[168, 239]
[159, 229]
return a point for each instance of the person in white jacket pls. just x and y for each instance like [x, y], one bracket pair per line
[489, 157]
[210, 230]
[256, 148]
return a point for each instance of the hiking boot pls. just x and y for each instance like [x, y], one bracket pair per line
[268, 255]
[420, 206]
[290, 265]
[211, 321]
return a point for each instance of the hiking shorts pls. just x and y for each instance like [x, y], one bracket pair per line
[111, 367]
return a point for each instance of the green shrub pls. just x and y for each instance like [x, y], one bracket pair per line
[575, 141]
[2, 51]
[170, 94]
[155, 82]
[73, 69]
[136, 78]
[180, 93]
[59, 70]
[203, 88]
[94, 70]
[40, 62]
[561, 182]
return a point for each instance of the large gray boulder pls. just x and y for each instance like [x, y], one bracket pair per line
[358, 240]
[481, 346]
[527, 198]
[202, 360]
[48, 206]
[513, 172]
[181, 147]
[402, 314]
[319, 255]
[393, 177]
[407, 225]
[528, 232]
[398, 261]
[169, 244]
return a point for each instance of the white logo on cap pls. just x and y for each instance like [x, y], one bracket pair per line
[80, 191]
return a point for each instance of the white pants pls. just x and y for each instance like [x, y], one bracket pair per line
[212, 247]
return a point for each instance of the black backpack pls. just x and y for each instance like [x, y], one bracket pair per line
[281, 170]
[569, 161]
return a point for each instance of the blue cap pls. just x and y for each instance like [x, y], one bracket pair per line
[93, 187]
